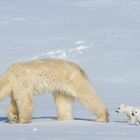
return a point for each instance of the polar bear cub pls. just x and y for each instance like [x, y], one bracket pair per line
[136, 114]
[128, 111]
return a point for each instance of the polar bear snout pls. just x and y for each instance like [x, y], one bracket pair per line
[118, 110]
[133, 114]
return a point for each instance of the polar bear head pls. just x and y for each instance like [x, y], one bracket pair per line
[136, 112]
[121, 108]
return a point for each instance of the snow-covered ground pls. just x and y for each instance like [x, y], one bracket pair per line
[103, 36]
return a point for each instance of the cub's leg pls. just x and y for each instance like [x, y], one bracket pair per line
[25, 107]
[63, 105]
[12, 112]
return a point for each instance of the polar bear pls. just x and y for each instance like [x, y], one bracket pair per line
[128, 111]
[136, 114]
[66, 80]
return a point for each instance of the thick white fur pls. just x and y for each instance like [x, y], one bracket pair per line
[128, 111]
[136, 114]
[66, 80]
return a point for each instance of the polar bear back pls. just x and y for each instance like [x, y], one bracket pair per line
[46, 74]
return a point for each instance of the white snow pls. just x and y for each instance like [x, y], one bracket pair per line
[80, 48]
[103, 36]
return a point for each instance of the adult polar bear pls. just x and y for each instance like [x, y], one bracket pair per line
[66, 80]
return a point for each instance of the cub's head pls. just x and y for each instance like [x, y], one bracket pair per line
[120, 108]
[136, 112]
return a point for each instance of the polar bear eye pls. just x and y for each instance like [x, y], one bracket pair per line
[119, 108]
[136, 112]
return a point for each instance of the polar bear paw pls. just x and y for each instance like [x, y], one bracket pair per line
[13, 118]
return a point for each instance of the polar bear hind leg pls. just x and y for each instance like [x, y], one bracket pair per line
[25, 107]
[12, 112]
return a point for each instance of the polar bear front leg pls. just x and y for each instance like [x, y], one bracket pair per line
[63, 105]
[137, 120]
[94, 104]
[12, 112]
[25, 108]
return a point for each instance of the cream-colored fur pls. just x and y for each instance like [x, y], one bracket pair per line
[66, 80]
